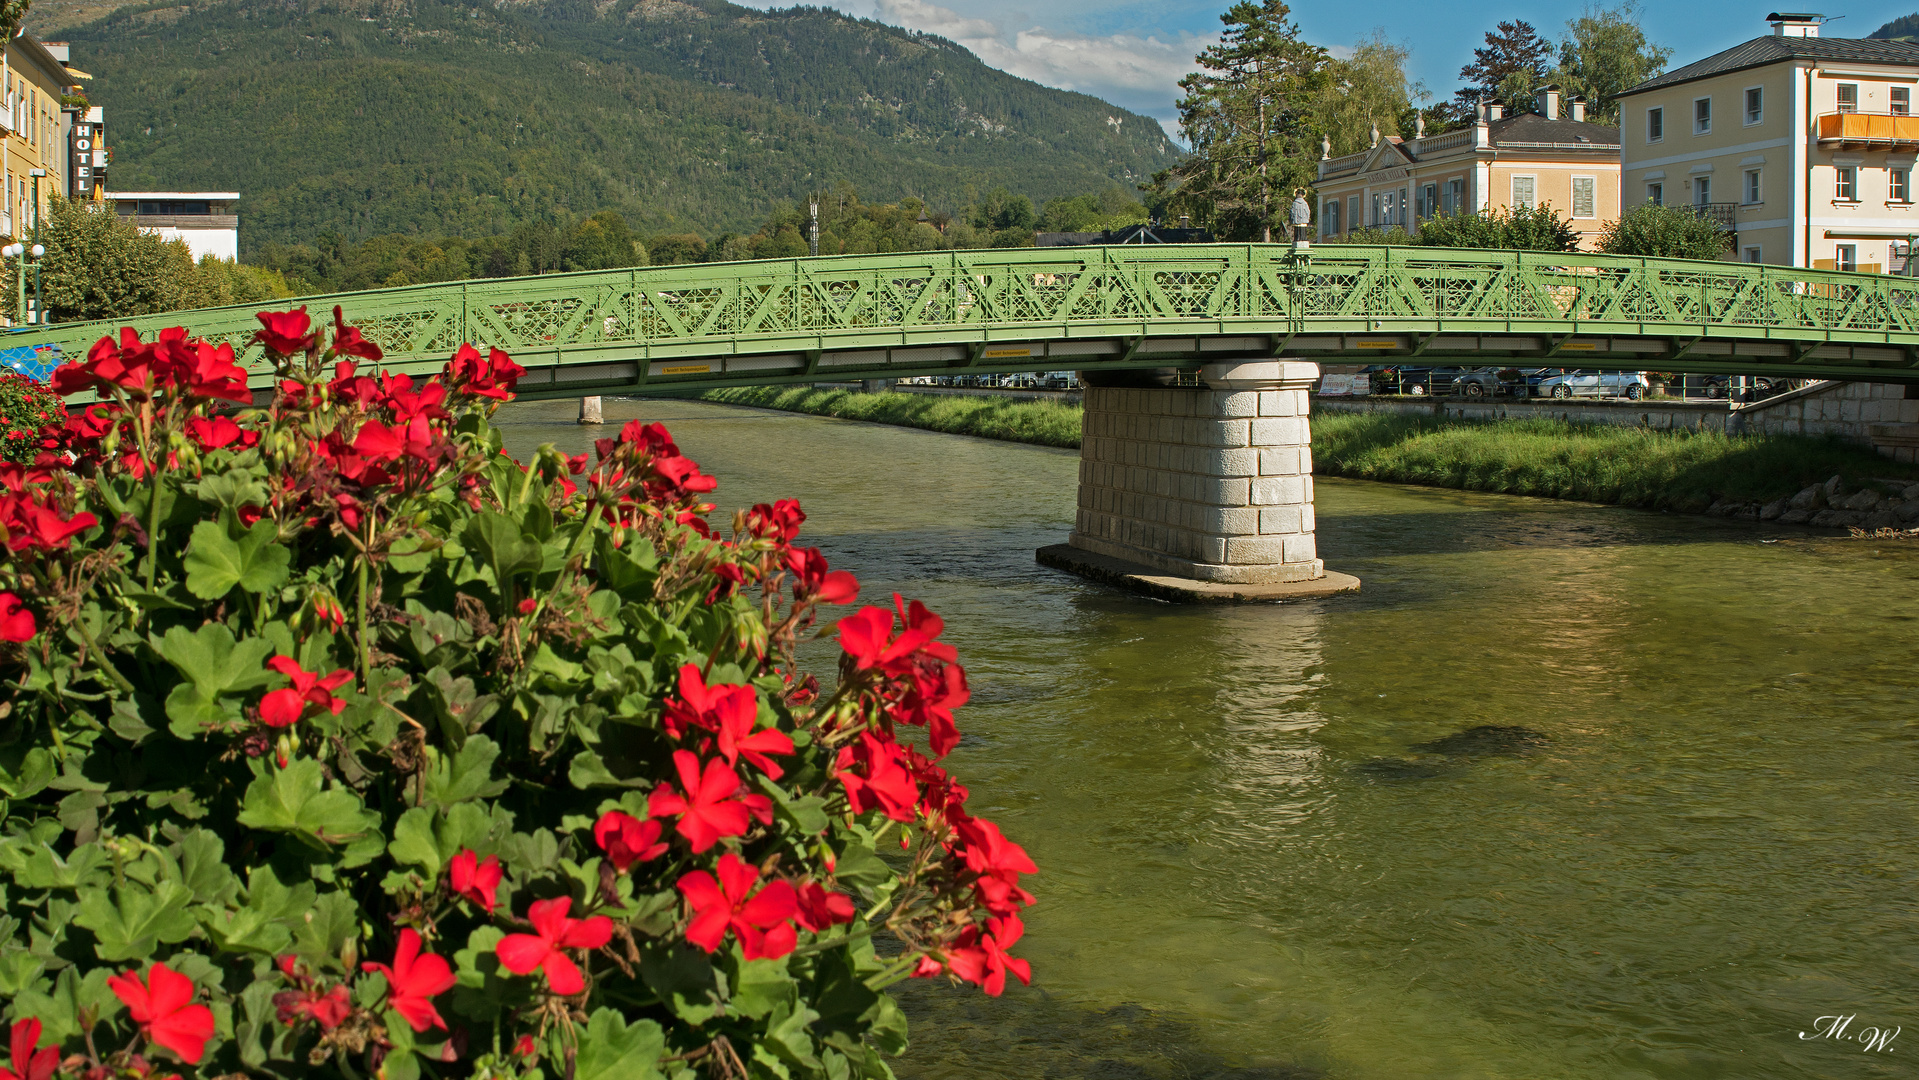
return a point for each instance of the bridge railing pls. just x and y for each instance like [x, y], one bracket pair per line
[974, 296]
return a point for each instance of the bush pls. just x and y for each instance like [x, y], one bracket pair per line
[339, 744]
[26, 407]
[1668, 232]
[1520, 228]
[1376, 236]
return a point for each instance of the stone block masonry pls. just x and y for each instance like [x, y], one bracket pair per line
[1211, 484]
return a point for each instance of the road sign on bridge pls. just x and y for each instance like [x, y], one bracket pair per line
[681, 328]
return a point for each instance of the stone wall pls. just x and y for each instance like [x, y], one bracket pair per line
[1875, 504]
[1206, 484]
[1661, 416]
[1878, 413]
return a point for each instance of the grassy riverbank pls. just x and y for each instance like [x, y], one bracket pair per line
[1047, 423]
[1659, 470]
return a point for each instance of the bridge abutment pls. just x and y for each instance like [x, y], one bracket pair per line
[1201, 493]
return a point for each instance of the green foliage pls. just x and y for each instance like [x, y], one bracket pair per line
[1514, 60]
[1605, 53]
[1669, 232]
[98, 266]
[1113, 208]
[1366, 89]
[472, 120]
[206, 762]
[1375, 235]
[1522, 228]
[26, 406]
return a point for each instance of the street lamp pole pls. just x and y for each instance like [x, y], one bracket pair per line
[18, 253]
[39, 307]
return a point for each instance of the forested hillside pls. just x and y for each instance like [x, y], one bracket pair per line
[361, 118]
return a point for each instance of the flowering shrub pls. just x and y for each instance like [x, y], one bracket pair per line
[26, 407]
[339, 743]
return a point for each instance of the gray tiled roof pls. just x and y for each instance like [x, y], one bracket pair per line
[1534, 128]
[1771, 50]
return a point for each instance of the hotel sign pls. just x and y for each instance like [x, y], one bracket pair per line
[84, 153]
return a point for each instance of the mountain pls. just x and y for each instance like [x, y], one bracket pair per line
[466, 117]
[1899, 29]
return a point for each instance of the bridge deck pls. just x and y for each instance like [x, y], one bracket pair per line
[874, 316]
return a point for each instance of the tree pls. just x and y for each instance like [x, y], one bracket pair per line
[1368, 89]
[1516, 228]
[674, 248]
[98, 266]
[12, 14]
[1605, 54]
[1248, 116]
[1513, 64]
[1669, 232]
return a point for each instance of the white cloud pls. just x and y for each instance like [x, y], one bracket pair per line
[1139, 73]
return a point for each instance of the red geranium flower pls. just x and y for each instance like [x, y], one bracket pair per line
[981, 957]
[329, 1009]
[285, 332]
[348, 342]
[730, 712]
[204, 370]
[16, 622]
[31, 523]
[760, 920]
[474, 878]
[544, 949]
[882, 779]
[707, 809]
[162, 1006]
[627, 840]
[212, 433]
[282, 707]
[813, 581]
[414, 980]
[29, 1064]
[820, 908]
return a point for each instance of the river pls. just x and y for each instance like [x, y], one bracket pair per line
[1272, 844]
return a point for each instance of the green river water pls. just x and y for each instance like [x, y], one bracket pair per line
[1266, 848]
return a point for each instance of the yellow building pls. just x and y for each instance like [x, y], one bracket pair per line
[34, 132]
[1540, 158]
[1804, 146]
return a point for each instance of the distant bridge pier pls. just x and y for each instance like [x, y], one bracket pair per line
[1201, 493]
[590, 412]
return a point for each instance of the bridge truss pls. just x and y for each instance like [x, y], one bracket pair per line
[682, 328]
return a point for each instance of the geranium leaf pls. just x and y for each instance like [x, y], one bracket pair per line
[134, 923]
[760, 987]
[214, 664]
[685, 979]
[612, 1049]
[216, 563]
[296, 800]
[465, 775]
[322, 929]
[414, 843]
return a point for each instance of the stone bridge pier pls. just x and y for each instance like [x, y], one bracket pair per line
[1201, 493]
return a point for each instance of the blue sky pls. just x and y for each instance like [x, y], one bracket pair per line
[1133, 52]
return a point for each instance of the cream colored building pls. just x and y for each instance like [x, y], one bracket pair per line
[35, 131]
[1541, 158]
[1804, 145]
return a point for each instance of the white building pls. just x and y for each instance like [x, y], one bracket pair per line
[208, 221]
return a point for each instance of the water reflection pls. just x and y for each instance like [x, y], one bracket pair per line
[1709, 842]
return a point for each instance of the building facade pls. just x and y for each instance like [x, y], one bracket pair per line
[1548, 158]
[36, 129]
[208, 221]
[1802, 145]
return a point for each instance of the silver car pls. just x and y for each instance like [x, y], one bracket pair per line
[1587, 382]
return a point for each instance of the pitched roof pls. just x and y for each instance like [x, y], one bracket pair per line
[1771, 50]
[1534, 128]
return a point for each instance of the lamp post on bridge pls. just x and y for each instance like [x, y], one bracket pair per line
[19, 252]
[39, 306]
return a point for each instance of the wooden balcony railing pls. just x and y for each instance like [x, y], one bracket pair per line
[1869, 129]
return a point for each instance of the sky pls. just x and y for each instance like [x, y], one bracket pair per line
[1133, 52]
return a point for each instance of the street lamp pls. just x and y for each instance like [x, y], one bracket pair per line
[38, 305]
[15, 252]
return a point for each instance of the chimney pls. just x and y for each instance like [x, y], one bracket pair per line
[1546, 101]
[1186, 221]
[1795, 24]
[1495, 111]
[1579, 110]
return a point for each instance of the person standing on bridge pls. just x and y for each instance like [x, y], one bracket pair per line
[1302, 217]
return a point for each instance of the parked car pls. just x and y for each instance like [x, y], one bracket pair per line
[1756, 388]
[1481, 382]
[1417, 381]
[1058, 380]
[1587, 382]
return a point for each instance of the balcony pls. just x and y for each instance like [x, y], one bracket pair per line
[1719, 213]
[1882, 131]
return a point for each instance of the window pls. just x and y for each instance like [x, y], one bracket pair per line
[1655, 125]
[1751, 255]
[1846, 257]
[1702, 116]
[1352, 213]
[1523, 191]
[1428, 200]
[1701, 190]
[1752, 187]
[1848, 97]
[1452, 197]
[1845, 184]
[1901, 101]
[1755, 104]
[1329, 218]
[1585, 196]
[1899, 185]
[1656, 194]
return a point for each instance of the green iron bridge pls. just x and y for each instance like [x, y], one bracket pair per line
[683, 328]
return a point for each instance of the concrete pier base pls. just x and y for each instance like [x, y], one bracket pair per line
[1201, 493]
[590, 411]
